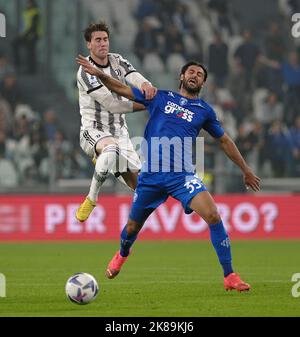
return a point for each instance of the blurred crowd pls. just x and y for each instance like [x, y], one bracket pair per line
[254, 74]
[33, 147]
[253, 84]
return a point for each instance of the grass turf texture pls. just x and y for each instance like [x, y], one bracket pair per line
[159, 279]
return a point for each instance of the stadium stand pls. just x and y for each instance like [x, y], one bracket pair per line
[254, 81]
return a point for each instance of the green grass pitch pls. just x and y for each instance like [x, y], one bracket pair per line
[177, 278]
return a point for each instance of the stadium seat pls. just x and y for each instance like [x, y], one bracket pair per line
[259, 97]
[152, 62]
[233, 43]
[164, 81]
[134, 60]
[205, 30]
[174, 62]
[8, 177]
[190, 45]
[123, 39]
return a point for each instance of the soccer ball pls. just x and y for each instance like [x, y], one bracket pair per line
[82, 288]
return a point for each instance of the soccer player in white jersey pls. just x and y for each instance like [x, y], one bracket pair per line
[104, 134]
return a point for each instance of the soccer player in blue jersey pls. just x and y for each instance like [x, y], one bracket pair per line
[180, 115]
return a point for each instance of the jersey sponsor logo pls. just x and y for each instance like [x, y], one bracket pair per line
[179, 111]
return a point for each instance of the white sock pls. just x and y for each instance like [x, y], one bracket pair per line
[106, 162]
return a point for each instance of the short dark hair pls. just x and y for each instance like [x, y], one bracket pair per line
[95, 27]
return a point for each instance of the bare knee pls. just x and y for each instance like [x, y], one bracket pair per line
[213, 217]
[133, 227]
[134, 179]
[103, 143]
[130, 178]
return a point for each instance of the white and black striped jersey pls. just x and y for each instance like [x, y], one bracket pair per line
[94, 96]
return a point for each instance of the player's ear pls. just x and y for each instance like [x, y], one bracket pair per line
[181, 77]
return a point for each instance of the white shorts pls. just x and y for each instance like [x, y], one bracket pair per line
[129, 159]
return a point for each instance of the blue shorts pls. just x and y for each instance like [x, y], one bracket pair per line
[153, 189]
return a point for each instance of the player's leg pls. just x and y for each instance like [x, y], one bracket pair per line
[130, 179]
[109, 156]
[204, 205]
[128, 236]
[129, 163]
[193, 195]
[106, 150]
[146, 200]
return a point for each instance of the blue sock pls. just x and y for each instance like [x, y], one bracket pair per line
[126, 242]
[221, 243]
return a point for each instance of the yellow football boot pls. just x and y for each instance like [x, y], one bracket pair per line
[85, 209]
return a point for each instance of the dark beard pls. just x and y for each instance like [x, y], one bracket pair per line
[192, 91]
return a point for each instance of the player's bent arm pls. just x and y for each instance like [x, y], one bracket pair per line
[104, 97]
[116, 86]
[231, 150]
[136, 79]
[122, 107]
[112, 84]
[138, 107]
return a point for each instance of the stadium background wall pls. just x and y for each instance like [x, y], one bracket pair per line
[44, 217]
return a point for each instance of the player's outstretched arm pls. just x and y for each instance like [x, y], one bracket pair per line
[231, 150]
[111, 83]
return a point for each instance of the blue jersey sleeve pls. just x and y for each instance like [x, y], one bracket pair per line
[140, 98]
[150, 104]
[213, 125]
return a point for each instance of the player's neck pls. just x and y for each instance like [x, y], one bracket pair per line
[99, 61]
[187, 94]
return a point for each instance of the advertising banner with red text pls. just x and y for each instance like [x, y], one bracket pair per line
[51, 217]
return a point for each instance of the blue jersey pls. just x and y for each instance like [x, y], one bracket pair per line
[174, 119]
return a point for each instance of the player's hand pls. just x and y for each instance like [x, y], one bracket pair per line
[87, 66]
[251, 181]
[148, 90]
